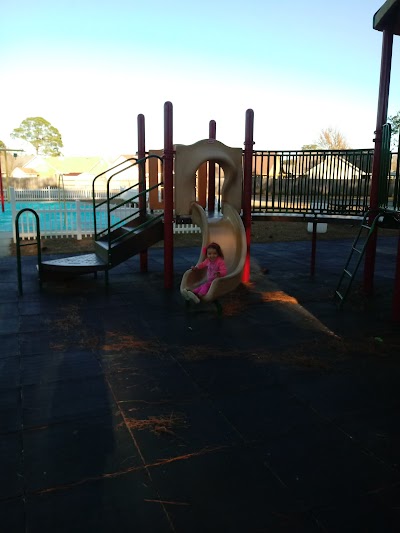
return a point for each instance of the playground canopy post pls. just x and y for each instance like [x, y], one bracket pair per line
[386, 20]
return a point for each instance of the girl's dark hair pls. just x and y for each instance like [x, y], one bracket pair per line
[217, 248]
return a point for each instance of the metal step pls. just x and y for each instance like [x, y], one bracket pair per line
[69, 267]
[105, 257]
[129, 240]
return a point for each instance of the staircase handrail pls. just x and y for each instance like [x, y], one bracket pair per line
[119, 222]
[123, 202]
[19, 245]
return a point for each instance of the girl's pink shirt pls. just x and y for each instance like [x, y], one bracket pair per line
[213, 268]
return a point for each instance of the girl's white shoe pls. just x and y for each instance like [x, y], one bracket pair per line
[192, 296]
[185, 294]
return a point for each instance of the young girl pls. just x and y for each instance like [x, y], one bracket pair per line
[216, 268]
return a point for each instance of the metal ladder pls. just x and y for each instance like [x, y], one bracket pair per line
[356, 254]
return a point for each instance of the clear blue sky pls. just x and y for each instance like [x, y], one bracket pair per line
[90, 67]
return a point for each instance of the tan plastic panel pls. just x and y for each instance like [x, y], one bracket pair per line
[156, 200]
[188, 159]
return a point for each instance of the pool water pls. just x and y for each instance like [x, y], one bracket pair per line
[54, 216]
[6, 222]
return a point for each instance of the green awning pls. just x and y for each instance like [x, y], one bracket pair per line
[388, 17]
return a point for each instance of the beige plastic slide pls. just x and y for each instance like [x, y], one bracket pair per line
[188, 159]
[228, 231]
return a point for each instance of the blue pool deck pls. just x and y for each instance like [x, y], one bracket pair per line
[123, 410]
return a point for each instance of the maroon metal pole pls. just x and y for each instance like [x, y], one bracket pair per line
[1, 187]
[142, 182]
[211, 171]
[168, 198]
[247, 172]
[384, 84]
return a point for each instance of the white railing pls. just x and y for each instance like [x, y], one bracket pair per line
[72, 218]
[186, 228]
[55, 194]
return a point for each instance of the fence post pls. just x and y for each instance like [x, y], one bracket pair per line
[78, 220]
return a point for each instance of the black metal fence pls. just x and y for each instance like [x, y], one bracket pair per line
[321, 182]
[330, 182]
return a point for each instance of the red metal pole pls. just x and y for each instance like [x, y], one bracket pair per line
[247, 179]
[1, 186]
[168, 198]
[141, 153]
[384, 84]
[211, 171]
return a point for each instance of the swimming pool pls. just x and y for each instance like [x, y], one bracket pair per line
[57, 217]
[6, 222]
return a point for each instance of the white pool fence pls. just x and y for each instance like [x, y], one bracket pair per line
[70, 215]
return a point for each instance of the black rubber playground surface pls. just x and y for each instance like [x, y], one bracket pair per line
[123, 410]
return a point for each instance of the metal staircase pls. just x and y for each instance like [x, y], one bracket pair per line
[111, 250]
[117, 239]
[371, 220]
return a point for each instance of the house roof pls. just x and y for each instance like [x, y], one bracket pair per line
[23, 160]
[336, 167]
[68, 165]
[388, 17]
[28, 170]
[23, 172]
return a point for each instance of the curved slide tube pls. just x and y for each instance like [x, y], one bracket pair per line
[228, 231]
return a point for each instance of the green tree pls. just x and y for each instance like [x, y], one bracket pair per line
[330, 139]
[2, 145]
[45, 138]
[394, 121]
[309, 147]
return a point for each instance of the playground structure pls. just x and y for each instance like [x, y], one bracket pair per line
[141, 228]
[160, 198]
